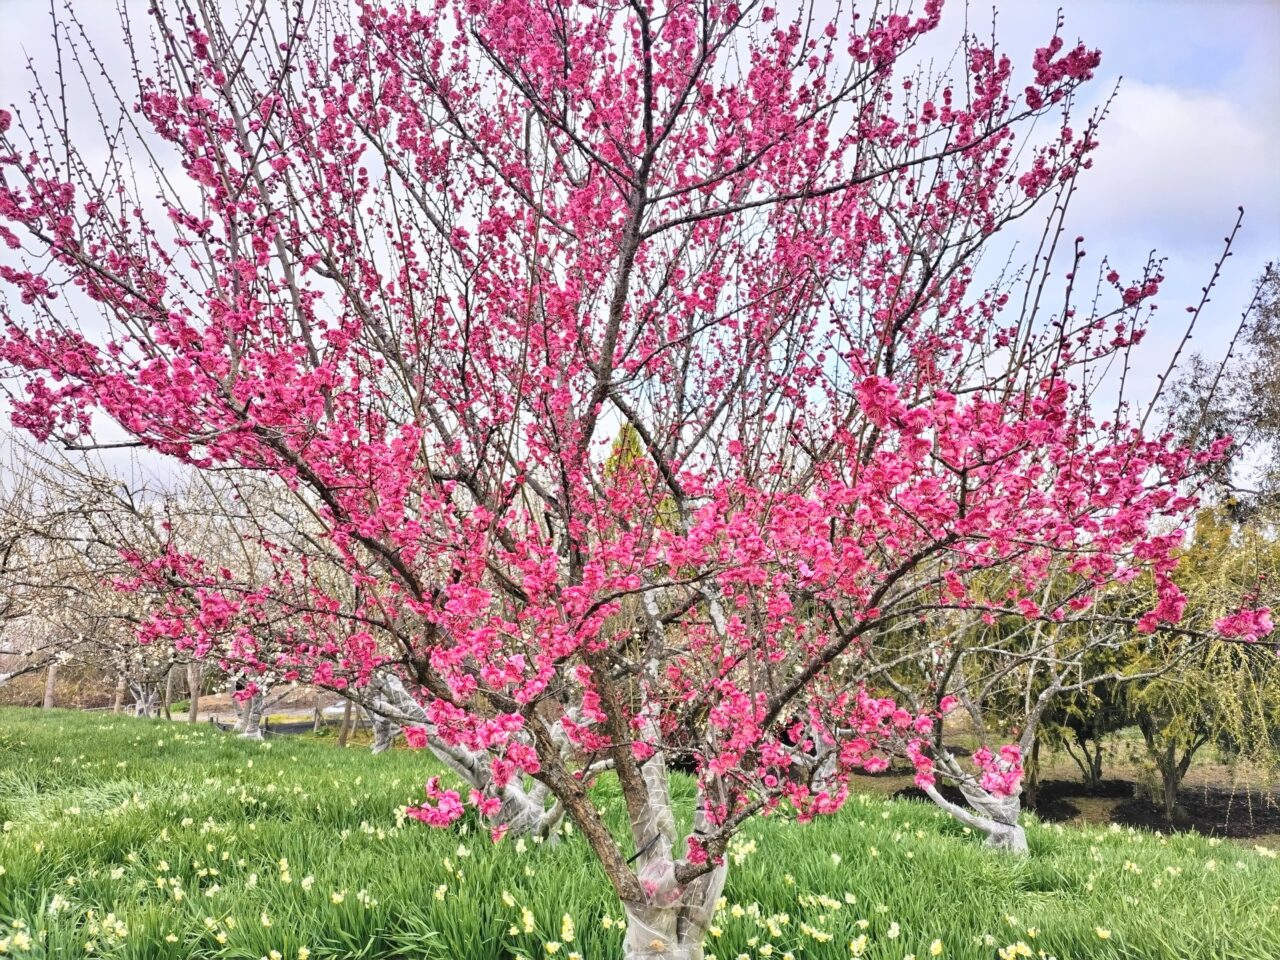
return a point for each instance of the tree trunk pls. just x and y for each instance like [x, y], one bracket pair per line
[1172, 773]
[50, 685]
[1090, 759]
[145, 700]
[1171, 769]
[344, 730]
[1000, 816]
[250, 725]
[384, 732]
[118, 704]
[993, 816]
[1031, 783]
[673, 931]
[1008, 838]
[195, 677]
[1169, 789]
[671, 923]
[169, 676]
[1094, 778]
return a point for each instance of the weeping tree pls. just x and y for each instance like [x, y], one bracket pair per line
[1228, 697]
[1228, 694]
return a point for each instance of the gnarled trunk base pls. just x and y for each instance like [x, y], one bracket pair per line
[994, 817]
[250, 725]
[661, 933]
[1009, 838]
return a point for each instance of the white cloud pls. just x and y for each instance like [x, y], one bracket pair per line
[1174, 164]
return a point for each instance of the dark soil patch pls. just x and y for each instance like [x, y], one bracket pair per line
[1046, 807]
[1114, 789]
[915, 793]
[1054, 807]
[1239, 814]
[1052, 800]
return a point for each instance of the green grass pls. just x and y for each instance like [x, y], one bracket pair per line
[181, 832]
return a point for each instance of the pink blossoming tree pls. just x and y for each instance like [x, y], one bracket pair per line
[421, 269]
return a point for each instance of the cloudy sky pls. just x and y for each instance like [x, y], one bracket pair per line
[1194, 132]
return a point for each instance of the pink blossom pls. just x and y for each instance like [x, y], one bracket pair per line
[1248, 625]
[444, 808]
[488, 806]
[416, 737]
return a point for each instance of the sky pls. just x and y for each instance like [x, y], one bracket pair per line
[1194, 132]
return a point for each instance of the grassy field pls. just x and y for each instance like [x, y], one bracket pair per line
[129, 838]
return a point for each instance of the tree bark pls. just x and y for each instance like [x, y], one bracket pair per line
[344, 730]
[169, 676]
[384, 731]
[118, 704]
[674, 930]
[250, 726]
[50, 685]
[1031, 776]
[195, 677]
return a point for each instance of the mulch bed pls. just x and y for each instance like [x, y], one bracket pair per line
[1053, 798]
[1238, 813]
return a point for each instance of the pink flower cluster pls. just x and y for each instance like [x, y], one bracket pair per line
[1077, 64]
[1250, 625]
[444, 808]
[1000, 773]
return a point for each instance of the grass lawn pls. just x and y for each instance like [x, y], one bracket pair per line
[131, 838]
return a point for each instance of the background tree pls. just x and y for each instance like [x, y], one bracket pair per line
[1081, 723]
[1228, 693]
[1238, 396]
[23, 650]
[1007, 677]
[69, 527]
